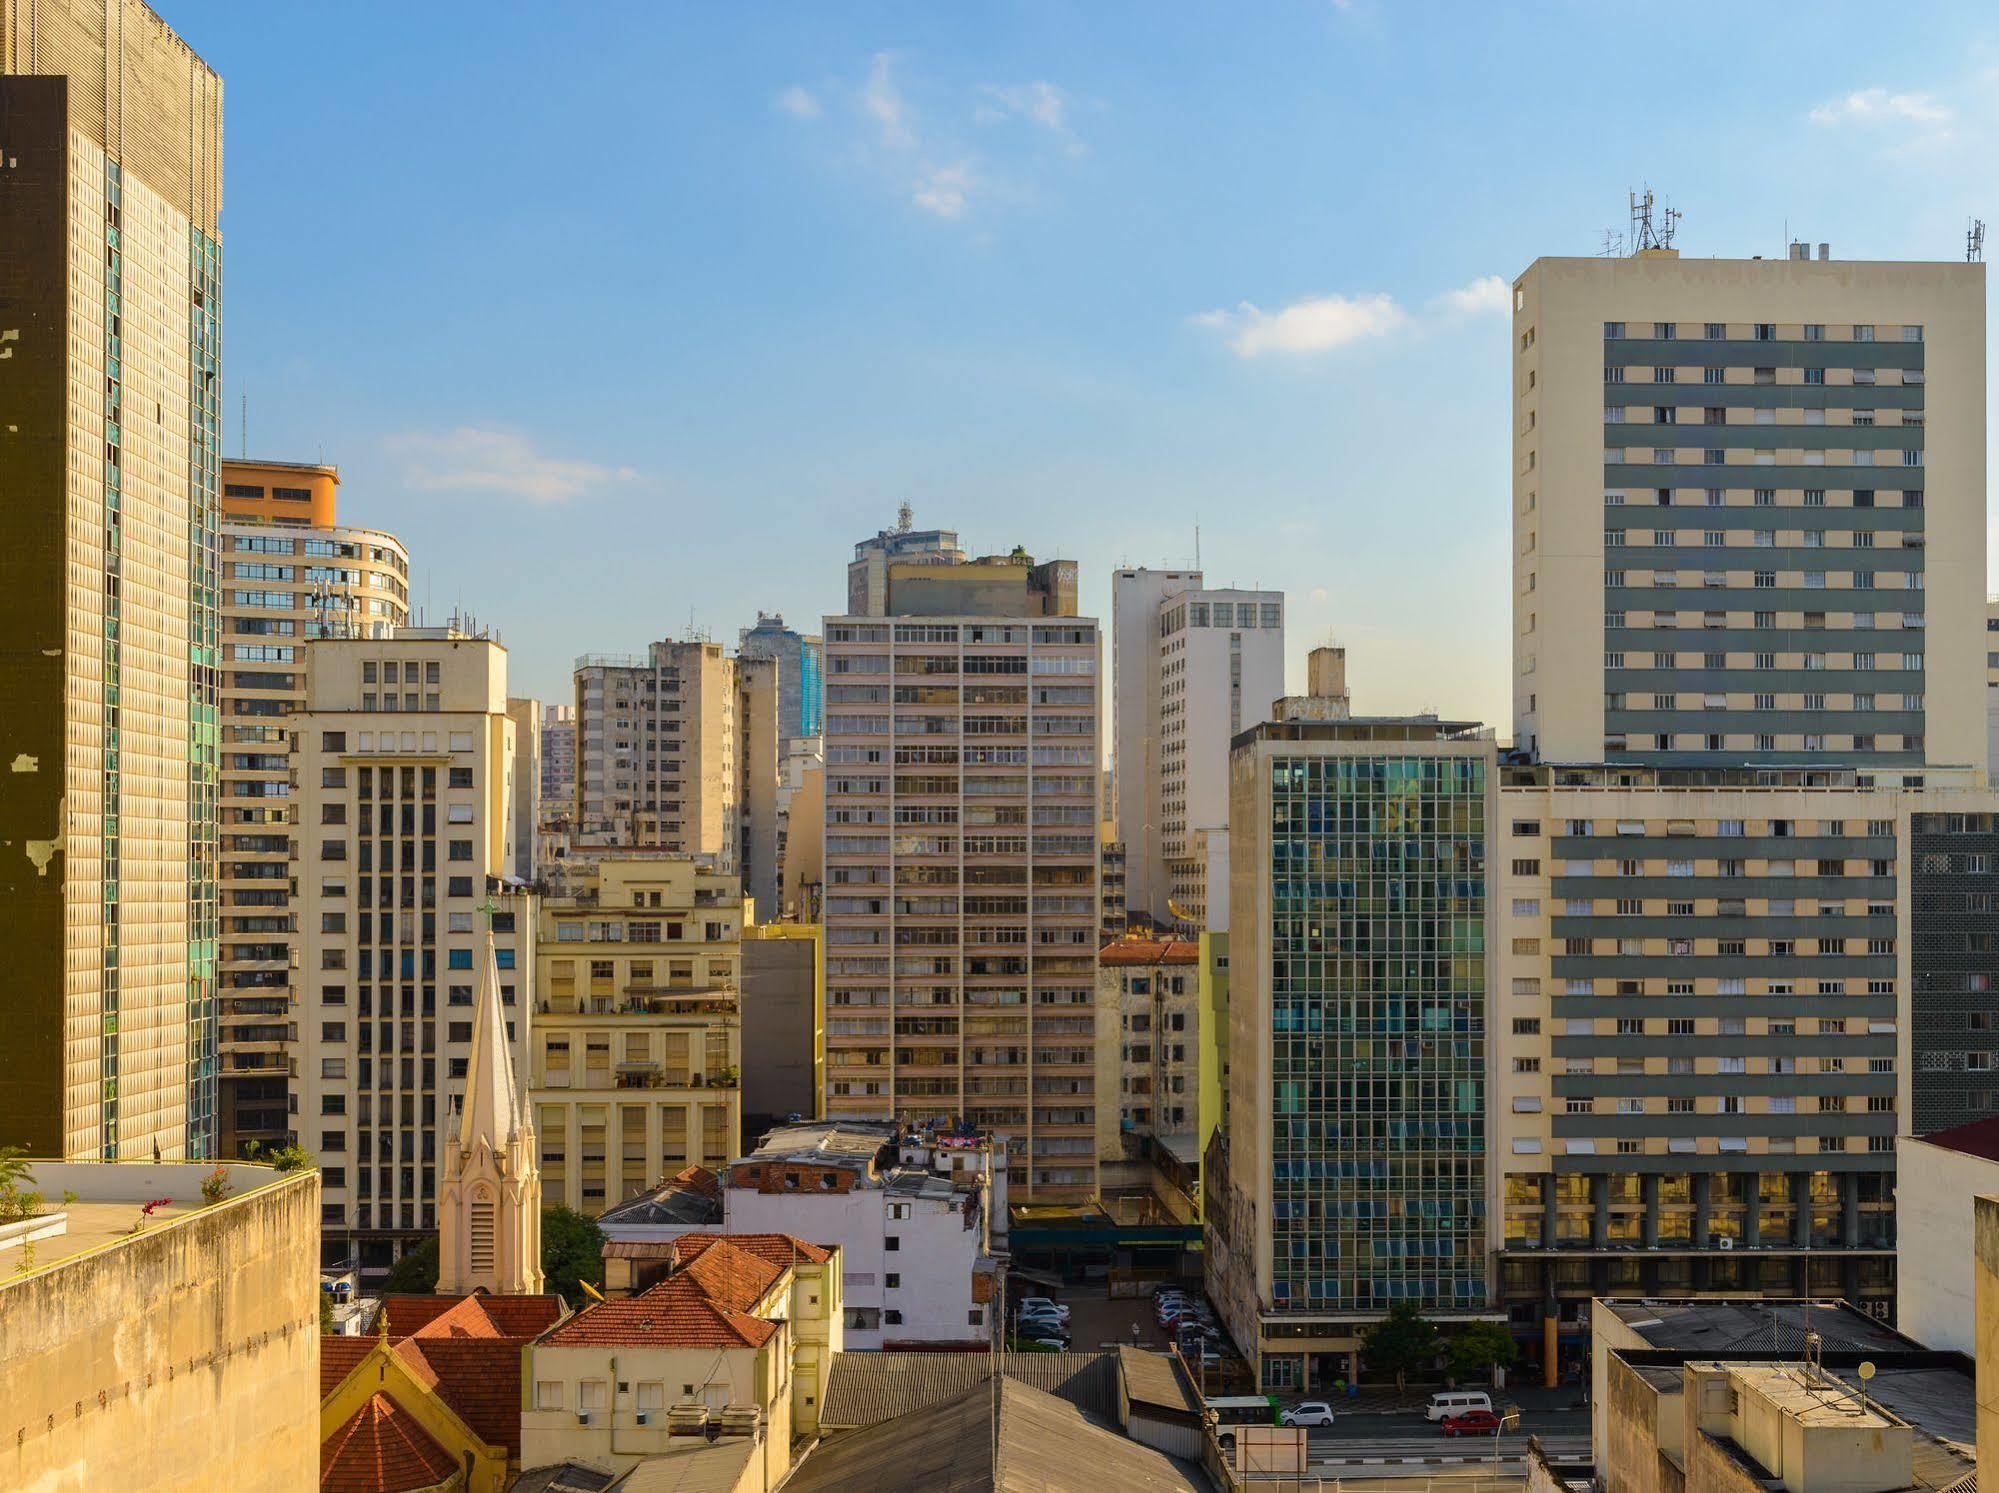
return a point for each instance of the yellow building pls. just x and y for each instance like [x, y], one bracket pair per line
[736, 1344]
[636, 1043]
[150, 1344]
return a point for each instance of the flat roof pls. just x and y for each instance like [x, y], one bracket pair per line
[111, 1197]
[1717, 1328]
[1368, 728]
[1807, 1398]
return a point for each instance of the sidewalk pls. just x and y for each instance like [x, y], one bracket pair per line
[1382, 1399]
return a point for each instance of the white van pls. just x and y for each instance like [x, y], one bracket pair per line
[1456, 1402]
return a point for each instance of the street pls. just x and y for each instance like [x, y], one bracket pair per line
[1361, 1443]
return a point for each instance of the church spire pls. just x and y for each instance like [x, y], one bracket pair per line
[489, 1200]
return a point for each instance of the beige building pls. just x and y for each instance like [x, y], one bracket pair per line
[734, 1345]
[656, 740]
[150, 1344]
[290, 573]
[961, 904]
[1937, 1177]
[403, 762]
[759, 813]
[1792, 572]
[636, 1054]
[527, 813]
[108, 908]
[1149, 1055]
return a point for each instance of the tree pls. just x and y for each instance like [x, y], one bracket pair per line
[572, 1251]
[325, 1312]
[1400, 1342]
[1481, 1348]
[415, 1274]
[15, 1173]
[292, 1158]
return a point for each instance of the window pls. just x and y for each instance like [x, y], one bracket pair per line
[548, 1394]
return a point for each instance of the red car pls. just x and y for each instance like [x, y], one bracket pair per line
[1471, 1423]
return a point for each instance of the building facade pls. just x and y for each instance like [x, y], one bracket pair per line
[1794, 570]
[527, 814]
[656, 745]
[403, 771]
[784, 1021]
[108, 584]
[1354, 1173]
[801, 678]
[637, 1036]
[558, 757]
[291, 572]
[961, 903]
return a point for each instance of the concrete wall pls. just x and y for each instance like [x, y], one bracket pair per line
[780, 1026]
[184, 1357]
[1935, 1257]
[1633, 1414]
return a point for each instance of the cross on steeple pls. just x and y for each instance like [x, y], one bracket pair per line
[488, 908]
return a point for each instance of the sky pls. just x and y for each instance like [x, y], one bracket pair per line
[634, 318]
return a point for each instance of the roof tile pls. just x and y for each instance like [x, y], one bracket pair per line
[382, 1448]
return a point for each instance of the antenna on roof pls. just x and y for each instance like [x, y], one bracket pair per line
[905, 518]
[1645, 232]
[1613, 245]
[243, 428]
[1974, 242]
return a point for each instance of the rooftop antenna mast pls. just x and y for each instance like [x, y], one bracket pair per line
[1646, 232]
[1974, 242]
[905, 518]
[243, 428]
[1613, 245]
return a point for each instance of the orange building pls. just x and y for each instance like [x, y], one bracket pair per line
[279, 492]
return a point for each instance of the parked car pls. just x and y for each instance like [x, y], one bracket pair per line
[1471, 1423]
[1451, 1402]
[1310, 1413]
[1040, 1327]
[1044, 1304]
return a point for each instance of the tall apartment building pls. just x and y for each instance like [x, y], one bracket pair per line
[1194, 666]
[656, 750]
[961, 902]
[636, 1049]
[527, 783]
[758, 760]
[801, 707]
[291, 572]
[1749, 513]
[403, 760]
[111, 128]
[558, 757]
[1353, 1173]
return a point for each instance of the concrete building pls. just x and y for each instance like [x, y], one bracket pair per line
[1828, 408]
[558, 758]
[403, 789]
[1937, 1178]
[867, 573]
[759, 758]
[1806, 1396]
[1149, 1055]
[1110, 879]
[1193, 666]
[291, 572]
[656, 740]
[109, 640]
[784, 1021]
[1325, 697]
[961, 858]
[1354, 1170]
[526, 716]
[801, 682]
[911, 1213]
[150, 1344]
[637, 1044]
[733, 1346]
[803, 896]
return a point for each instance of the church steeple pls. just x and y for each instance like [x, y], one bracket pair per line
[489, 1197]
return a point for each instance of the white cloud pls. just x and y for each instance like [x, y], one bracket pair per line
[882, 102]
[1043, 103]
[1314, 324]
[1879, 106]
[1488, 293]
[944, 190]
[471, 459]
[799, 103]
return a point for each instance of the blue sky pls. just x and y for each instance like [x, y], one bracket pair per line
[622, 314]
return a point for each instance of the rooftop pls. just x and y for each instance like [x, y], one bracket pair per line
[1361, 729]
[1713, 1328]
[1979, 1138]
[382, 1448]
[708, 1301]
[1130, 951]
[864, 1389]
[826, 1142]
[112, 1199]
[692, 1195]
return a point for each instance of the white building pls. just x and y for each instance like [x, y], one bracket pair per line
[911, 1212]
[1194, 666]
[1936, 1259]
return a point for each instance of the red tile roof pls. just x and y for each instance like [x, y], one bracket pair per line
[477, 1315]
[337, 1357]
[1976, 1138]
[698, 1179]
[479, 1378]
[382, 1449]
[1128, 951]
[779, 1249]
[673, 1314]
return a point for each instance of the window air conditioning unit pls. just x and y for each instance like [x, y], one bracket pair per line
[643, 1417]
[583, 1417]
[1727, 1242]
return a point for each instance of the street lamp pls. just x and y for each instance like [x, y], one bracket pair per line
[1508, 1421]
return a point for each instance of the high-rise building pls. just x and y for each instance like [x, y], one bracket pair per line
[291, 572]
[1194, 666]
[1749, 513]
[558, 757]
[867, 573]
[404, 758]
[759, 821]
[635, 1068]
[1354, 1172]
[801, 685]
[961, 906]
[527, 783]
[656, 750]
[111, 128]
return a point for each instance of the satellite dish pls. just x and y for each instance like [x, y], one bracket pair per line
[1867, 1370]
